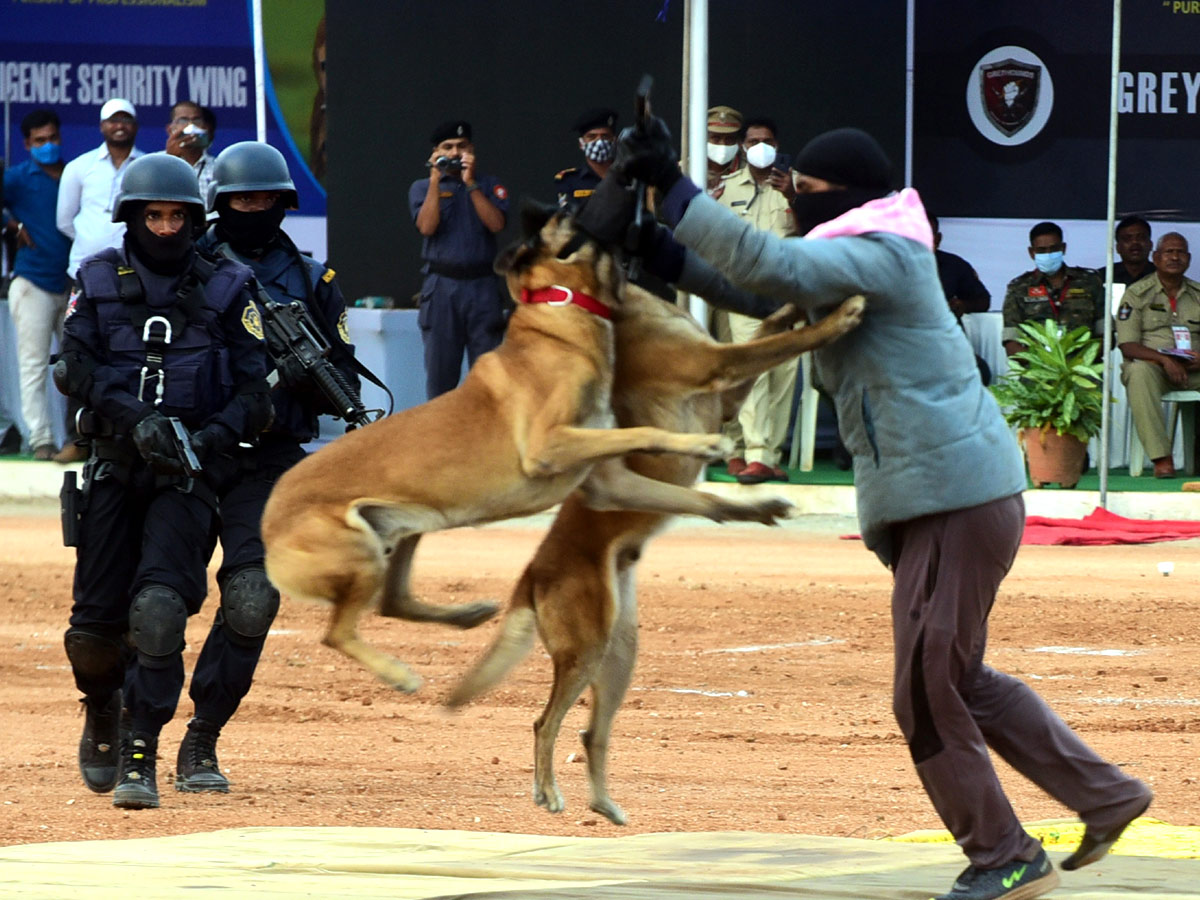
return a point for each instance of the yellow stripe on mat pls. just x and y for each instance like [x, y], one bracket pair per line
[1144, 837]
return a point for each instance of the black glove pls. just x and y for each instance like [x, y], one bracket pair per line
[210, 441]
[293, 376]
[647, 155]
[607, 214]
[155, 441]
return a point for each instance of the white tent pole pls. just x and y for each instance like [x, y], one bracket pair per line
[910, 30]
[1105, 417]
[695, 54]
[260, 72]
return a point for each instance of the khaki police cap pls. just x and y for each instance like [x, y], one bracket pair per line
[724, 120]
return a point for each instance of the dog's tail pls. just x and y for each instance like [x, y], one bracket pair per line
[514, 642]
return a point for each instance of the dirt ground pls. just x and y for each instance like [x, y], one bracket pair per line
[761, 700]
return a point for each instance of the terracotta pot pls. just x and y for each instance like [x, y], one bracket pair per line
[1053, 457]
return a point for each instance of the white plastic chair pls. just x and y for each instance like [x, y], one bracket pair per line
[1175, 412]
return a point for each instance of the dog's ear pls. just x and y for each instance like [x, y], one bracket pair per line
[534, 217]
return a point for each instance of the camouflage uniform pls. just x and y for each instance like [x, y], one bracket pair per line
[1031, 298]
[1145, 317]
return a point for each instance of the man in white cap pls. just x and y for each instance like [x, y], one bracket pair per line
[91, 181]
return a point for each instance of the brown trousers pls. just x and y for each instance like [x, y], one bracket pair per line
[952, 708]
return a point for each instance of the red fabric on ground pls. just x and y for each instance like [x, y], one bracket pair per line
[1103, 527]
[1098, 527]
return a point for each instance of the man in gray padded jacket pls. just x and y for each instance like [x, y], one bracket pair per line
[939, 482]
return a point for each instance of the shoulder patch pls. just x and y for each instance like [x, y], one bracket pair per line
[1124, 312]
[343, 328]
[500, 191]
[251, 320]
[565, 172]
[328, 276]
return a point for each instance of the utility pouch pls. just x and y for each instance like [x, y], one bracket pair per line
[70, 500]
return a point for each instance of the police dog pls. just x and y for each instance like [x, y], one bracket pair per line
[578, 593]
[527, 427]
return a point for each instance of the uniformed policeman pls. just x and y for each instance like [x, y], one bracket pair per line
[723, 148]
[250, 191]
[1158, 332]
[1069, 295]
[597, 129]
[458, 212]
[154, 332]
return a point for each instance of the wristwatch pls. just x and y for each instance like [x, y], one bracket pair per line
[473, 186]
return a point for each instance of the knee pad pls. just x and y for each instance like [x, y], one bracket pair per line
[157, 621]
[97, 660]
[249, 603]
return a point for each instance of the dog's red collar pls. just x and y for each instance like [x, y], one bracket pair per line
[557, 295]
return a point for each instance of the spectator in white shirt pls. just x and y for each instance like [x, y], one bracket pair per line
[90, 183]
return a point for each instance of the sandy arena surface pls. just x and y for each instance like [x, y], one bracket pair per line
[761, 700]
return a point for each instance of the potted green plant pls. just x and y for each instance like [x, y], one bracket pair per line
[1052, 394]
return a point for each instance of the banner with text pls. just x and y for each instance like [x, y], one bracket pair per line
[73, 55]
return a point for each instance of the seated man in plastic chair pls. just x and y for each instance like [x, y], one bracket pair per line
[1158, 327]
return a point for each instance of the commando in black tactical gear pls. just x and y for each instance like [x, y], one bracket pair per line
[164, 350]
[250, 191]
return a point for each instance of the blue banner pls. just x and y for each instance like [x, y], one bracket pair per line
[73, 55]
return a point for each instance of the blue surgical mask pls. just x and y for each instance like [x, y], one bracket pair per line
[1048, 263]
[46, 154]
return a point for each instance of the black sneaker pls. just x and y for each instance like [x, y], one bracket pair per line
[99, 747]
[1016, 880]
[137, 787]
[196, 768]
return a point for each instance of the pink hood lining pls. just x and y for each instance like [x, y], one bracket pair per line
[900, 213]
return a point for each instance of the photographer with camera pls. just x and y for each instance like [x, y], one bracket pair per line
[459, 213]
[155, 333]
[190, 133]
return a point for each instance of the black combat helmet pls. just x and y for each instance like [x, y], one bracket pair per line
[251, 166]
[159, 176]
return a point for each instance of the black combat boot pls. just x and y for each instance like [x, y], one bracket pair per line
[99, 753]
[138, 784]
[197, 768]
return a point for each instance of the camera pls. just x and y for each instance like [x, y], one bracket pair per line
[449, 164]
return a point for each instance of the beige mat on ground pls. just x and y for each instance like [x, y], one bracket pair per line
[410, 864]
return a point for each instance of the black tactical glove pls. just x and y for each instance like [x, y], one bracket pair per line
[647, 155]
[210, 441]
[155, 441]
[607, 214]
[293, 376]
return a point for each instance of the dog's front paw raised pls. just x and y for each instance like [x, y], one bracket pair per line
[782, 319]
[849, 315]
[768, 511]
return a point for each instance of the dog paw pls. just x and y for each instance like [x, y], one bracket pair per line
[609, 810]
[771, 511]
[720, 446]
[473, 614]
[400, 677]
[849, 315]
[551, 798]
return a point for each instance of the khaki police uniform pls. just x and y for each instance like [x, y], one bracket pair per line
[1078, 302]
[761, 425]
[1145, 317]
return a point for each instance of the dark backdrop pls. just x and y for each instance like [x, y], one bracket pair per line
[521, 72]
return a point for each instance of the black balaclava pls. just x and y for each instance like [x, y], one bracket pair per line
[250, 233]
[845, 156]
[170, 255]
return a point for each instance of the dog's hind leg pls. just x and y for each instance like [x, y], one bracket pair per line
[609, 684]
[398, 601]
[342, 634]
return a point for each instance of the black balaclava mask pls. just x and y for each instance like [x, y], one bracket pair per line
[847, 157]
[169, 255]
[250, 233]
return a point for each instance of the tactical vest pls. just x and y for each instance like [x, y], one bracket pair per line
[169, 349]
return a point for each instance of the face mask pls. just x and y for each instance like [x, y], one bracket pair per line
[761, 155]
[250, 233]
[1048, 263]
[722, 154]
[168, 255]
[600, 150]
[46, 154]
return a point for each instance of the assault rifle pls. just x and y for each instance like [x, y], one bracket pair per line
[641, 117]
[292, 334]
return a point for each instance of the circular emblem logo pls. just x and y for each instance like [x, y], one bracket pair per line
[251, 321]
[343, 329]
[1010, 95]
